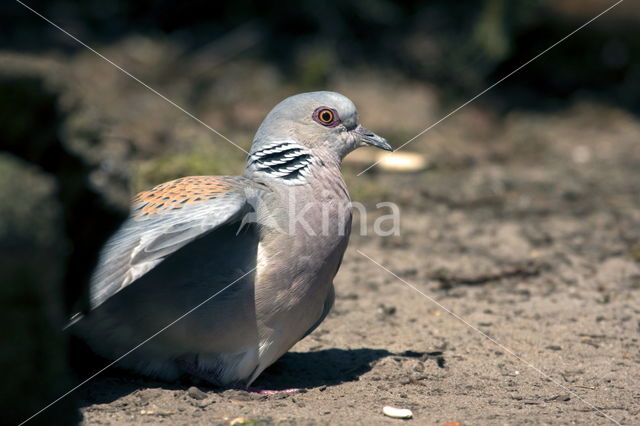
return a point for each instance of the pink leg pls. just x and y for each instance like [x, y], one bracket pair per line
[258, 391]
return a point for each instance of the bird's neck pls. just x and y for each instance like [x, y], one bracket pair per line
[289, 163]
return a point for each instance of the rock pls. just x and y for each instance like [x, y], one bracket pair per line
[196, 393]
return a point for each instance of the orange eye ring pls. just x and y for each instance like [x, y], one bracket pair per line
[326, 116]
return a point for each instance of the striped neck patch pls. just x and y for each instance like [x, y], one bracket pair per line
[286, 161]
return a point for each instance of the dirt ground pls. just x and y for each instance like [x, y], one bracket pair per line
[511, 295]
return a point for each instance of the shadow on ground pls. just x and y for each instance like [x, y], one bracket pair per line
[328, 367]
[302, 370]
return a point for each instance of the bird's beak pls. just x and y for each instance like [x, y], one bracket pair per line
[367, 137]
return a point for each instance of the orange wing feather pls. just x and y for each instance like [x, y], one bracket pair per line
[176, 194]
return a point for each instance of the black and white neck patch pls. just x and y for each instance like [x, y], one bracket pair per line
[283, 160]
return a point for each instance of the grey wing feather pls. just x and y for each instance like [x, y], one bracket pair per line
[140, 245]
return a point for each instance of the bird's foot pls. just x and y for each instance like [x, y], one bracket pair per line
[258, 391]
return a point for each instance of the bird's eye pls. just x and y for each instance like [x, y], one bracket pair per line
[326, 116]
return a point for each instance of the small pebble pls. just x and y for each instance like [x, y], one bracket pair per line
[196, 393]
[397, 413]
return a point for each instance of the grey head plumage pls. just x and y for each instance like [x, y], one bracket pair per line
[315, 126]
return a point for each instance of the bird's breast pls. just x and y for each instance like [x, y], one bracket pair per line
[303, 244]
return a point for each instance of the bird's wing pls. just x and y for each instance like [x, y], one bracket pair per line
[165, 219]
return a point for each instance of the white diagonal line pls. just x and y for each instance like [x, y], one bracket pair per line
[497, 82]
[133, 76]
[506, 349]
[136, 347]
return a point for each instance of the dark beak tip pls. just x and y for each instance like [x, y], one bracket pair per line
[381, 143]
[371, 139]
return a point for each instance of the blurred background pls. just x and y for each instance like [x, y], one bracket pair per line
[79, 136]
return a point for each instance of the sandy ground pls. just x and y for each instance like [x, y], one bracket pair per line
[511, 297]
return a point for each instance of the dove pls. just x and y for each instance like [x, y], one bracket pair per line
[216, 277]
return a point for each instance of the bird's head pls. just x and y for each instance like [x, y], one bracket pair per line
[320, 121]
